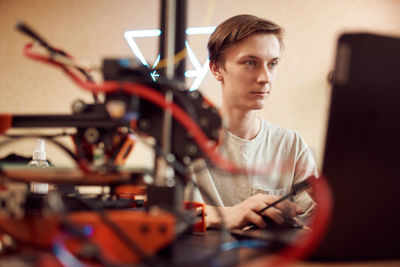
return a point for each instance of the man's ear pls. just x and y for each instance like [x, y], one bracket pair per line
[215, 70]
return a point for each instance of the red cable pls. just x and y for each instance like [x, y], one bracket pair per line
[306, 244]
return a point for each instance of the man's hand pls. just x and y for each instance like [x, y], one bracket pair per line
[246, 212]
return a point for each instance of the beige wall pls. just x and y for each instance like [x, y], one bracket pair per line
[91, 30]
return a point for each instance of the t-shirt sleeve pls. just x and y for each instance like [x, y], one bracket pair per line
[305, 167]
[205, 190]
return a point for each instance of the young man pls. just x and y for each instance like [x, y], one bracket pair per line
[244, 53]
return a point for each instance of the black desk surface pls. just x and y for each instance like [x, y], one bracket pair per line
[197, 250]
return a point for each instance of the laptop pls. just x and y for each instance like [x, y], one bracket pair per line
[362, 151]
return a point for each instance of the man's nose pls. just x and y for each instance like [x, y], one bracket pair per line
[264, 75]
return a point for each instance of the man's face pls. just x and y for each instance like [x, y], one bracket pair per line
[248, 71]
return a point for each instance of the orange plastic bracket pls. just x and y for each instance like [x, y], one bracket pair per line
[5, 122]
[199, 208]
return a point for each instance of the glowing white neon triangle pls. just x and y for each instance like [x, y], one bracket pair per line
[199, 71]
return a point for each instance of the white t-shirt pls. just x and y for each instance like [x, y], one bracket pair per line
[281, 152]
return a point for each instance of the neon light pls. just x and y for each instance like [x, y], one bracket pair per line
[129, 38]
[199, 30]
[157, 61]
[192, 57]
[191, 73]
[144, 33]
[154, 73]
[199, 71]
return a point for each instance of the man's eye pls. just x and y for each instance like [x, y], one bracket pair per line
[273, 64]
[251, 63]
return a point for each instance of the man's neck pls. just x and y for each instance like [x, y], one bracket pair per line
[243, 124]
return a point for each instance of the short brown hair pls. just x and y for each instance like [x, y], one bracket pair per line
[237, 28]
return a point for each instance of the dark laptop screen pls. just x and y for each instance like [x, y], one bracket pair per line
[362, 150]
